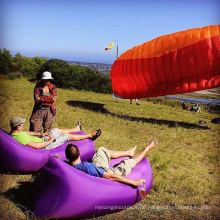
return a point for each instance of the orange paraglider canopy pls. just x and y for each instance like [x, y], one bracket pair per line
[181, 62]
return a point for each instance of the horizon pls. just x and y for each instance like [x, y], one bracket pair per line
[80, 30]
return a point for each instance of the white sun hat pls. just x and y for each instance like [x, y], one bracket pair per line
[46, 75]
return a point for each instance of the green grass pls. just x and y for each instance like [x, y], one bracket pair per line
[185, 163]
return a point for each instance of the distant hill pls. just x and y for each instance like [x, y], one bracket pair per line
[100, 67]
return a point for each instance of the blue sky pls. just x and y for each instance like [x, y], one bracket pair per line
[79, 30]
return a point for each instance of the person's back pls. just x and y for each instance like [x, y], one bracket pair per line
[90, 169]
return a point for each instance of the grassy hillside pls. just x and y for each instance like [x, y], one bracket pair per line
[185, 163]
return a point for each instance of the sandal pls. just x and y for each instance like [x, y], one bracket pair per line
[97, 134]
[80, 125]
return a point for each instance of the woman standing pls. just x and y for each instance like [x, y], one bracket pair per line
[44, 111]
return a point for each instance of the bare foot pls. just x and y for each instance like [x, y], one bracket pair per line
[77, 128]
[131, 151]
[152, 144]
[93, 134]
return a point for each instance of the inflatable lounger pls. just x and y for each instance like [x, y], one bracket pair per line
[15, 157]
[61, 191]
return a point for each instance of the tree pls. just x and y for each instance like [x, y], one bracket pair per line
[59, 69]
[5, 62]
[65, 75]
[39, 61]
[29, 68]
[17, 63]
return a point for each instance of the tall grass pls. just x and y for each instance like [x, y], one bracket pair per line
[185, 163]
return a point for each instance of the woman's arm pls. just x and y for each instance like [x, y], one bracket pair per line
[54, 98]
[44, 99]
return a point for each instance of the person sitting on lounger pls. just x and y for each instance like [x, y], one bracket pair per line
[184, 107]
[47, 141]
[100, 163]
[196, 108]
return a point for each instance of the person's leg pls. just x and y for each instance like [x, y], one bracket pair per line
[138, 157]
[49, 119]
[78, 137]
[125, 167]
[101, 158]
[36, 121]
[127, 153]
[71, 130]
[137, 102]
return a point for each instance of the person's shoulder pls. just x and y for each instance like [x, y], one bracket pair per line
[15, 133]
[52, 86]
[18, 135]
[78, 164]
[81, 166]
[85, 166]
[38, 85]
[21, 133]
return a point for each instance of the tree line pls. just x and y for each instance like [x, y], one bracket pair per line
[66, 75]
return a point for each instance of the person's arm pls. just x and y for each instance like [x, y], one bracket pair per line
[54, 94]
[36, 133]
[41, 99]
[122, 179]
[40, 145]
[44, 99]
[54, 98]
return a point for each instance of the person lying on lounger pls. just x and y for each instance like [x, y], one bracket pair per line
[100, 163]
[55, 138]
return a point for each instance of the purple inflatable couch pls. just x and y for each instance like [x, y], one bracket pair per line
[61, 191]
[15, 157]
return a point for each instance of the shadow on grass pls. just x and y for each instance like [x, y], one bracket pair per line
[16, 173]
[97, 107]
[22, 195]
